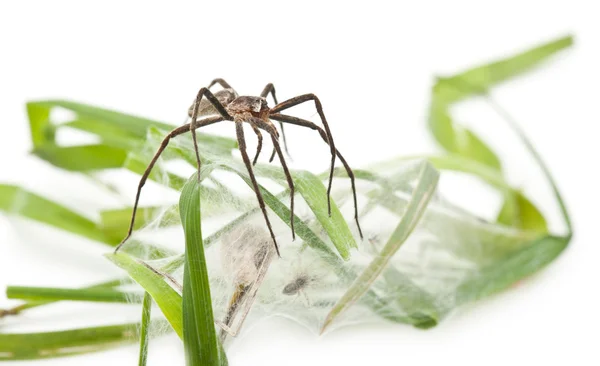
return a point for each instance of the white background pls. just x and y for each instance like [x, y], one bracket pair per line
[372, 64]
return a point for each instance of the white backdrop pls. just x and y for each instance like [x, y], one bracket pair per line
[372, 65]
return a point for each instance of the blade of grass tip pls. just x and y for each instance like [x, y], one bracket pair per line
[144, 330]
[201, 344]
[426, 185]
[34, 346]
[61, 294]
[483, 77]
[167, 299]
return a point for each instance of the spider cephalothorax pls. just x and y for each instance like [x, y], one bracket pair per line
[227, 105]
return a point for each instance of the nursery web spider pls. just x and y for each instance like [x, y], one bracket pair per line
[227, 105]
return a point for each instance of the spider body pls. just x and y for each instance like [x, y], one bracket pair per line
[227, 105]
[297, 285]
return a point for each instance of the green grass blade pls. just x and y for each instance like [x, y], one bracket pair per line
[82, 158]
[167, 299]
[45, 294]
[34, 346]
[514, 267]
[145, 329]
[449, 90]
[426, 184]
[42, 131]
[15, 200]
[33, 304]
[546, 171]
[313, 191]
[482, 78]
[199, 335]
[519, 212]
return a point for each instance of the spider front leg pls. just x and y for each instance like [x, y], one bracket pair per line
[270, 88]
[305, 98]
[304, 123]
[176, 132]
[274, 138]
[218, 106]
[239, 129]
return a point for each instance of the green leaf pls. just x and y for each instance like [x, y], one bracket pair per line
[15, 200]
[514, 267]
[145, 329]
[517, 211]
[167, 299]
[34, 346]
[426, 185]
[199, 335]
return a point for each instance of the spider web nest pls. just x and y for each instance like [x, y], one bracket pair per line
[419, 285]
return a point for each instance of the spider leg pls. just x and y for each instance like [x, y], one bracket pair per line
[270, 88]
[222, 82]
[260, 139]
[305, 123]
[176, 132]
[305, 98]
[273, 132]
[218, 106]
[239, 129]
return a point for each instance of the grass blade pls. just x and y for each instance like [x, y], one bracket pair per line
[33, 304]
[144, 330]
[199, 335]
[82, 158]
[34, 346]
[422, 193]
[482, 78]
[446, 91]
[312, 189]
[167, 299]
[514, 267]
[46, 294]
[15, 200]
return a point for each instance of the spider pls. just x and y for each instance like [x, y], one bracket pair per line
[226, 105]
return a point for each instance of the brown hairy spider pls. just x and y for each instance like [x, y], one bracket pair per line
[227, 105]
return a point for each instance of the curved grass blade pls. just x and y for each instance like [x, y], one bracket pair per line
[200, 340]
[34, 346]
[15, 200]
[446, 91]
[545, 170]
[426, 184]
[167, 299]
[144, 329]
[511, 269]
